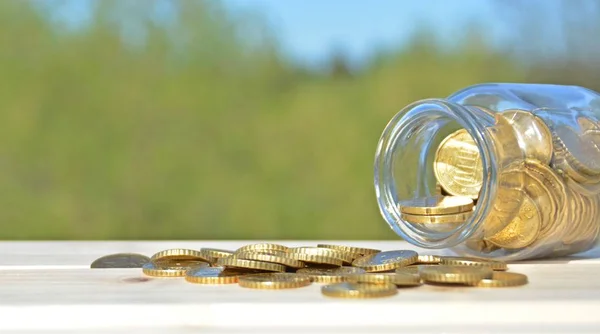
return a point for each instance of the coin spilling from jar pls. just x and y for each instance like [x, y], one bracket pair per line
[546, 189]
[341, 271]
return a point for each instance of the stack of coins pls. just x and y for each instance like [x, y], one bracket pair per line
[344, 271]
[547, 192]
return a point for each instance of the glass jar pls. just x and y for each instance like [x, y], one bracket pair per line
[527, 156]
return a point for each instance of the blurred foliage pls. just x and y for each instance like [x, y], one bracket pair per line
[192, 125]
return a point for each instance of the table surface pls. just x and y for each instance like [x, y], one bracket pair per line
[49, 287]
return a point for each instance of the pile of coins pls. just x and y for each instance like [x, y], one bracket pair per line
[344, 271]
[546, 192]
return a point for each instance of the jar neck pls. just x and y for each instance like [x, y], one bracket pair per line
[412, 131]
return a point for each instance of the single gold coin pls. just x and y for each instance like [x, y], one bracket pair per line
[429, 259]
[503, 279]
[457, 218]
[151, 269]
[283, 259]
[329, 275]
[180, 264]
[436, 205]
[523, 230]
[316, 259]
[458, 166]
[481, 245]
[262, 247]
[385, 261]
[473, 262]
[216, 253]
[413, 269]
[349, 249]
[533, 134]
[320, 251]
[235, 262]
[120, 260]
[212, 275]
[455, 274]
[274, 281]
[398, 279]
[180, 254]
[359, 290]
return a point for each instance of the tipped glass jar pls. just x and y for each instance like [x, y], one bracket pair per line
[498, 170]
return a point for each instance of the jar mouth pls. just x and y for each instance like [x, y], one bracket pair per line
[413, 130]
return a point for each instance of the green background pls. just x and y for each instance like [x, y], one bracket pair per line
[198, 134]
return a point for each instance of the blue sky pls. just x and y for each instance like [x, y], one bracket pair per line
[310, 29]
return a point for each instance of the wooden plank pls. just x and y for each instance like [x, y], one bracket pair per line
[48, 286]
[72, 299]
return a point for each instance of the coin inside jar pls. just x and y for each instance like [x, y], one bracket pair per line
[522, 230]
[458, 166]
[436, 205]
[534, 136]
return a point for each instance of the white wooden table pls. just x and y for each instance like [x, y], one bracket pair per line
[49, 287]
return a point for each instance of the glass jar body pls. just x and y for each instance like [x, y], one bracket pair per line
[528, 156]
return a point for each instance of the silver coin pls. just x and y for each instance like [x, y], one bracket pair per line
[121, 260]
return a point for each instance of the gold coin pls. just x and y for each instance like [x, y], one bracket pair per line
[455, 274]
[583, 188]
[458, 166]
[180, 254]
[577, 214]
[234, 262]
[359, 290]
[472, 262]
[533, 134]
[286, 261]
[542, 175]
[212, 275]
[480, 245]
[503, 279]
[262, 247]
[385, 261]
[429, 259]
[522, 230]
[216, 253]
[331, 275]
[351, 250]
[413, 269]
[120, 260]
[151, 269]
[581, 148]
[543, 197]
[436, 205]
[274, 281]
[320, 251]
[180, 264]
[507, 200]
[591, 232]
[457, 218]
[398, 279]
[316, 259]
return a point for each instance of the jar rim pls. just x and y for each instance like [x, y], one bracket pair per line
[401, 125]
